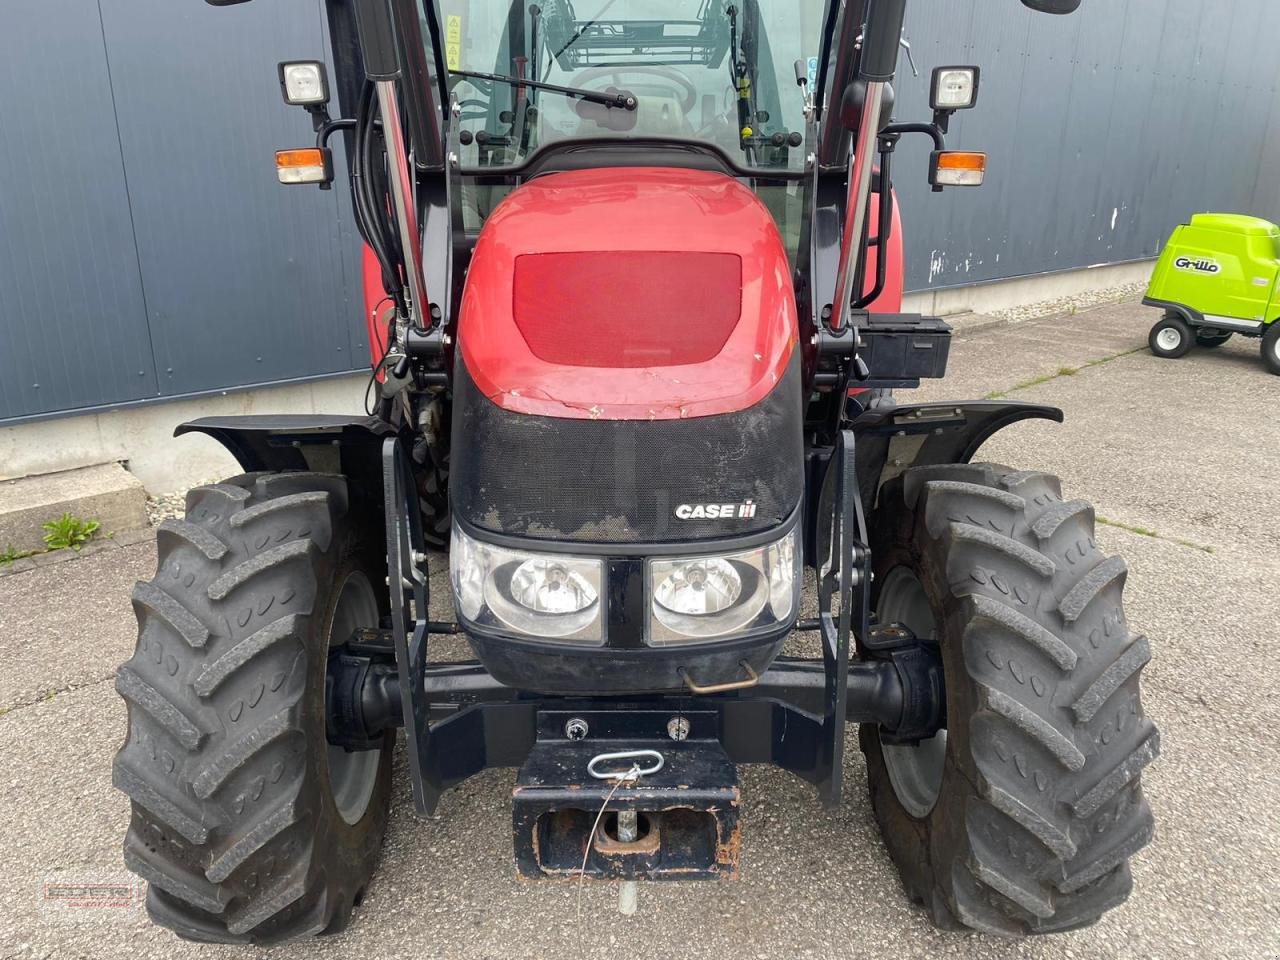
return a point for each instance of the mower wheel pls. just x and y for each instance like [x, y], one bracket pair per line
[1205, 338]
[1171, 337]
[1271, 347]
[1020, 816]
[247, 825]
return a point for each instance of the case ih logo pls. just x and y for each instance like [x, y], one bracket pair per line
[1197, 266]
[716, 511]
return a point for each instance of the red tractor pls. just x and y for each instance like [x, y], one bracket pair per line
[633, 272]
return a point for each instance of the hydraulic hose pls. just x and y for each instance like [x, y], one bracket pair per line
[368, 194]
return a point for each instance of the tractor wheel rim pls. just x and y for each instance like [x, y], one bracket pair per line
[915, 771]
[1275, 349]
[352, 773]
[1168, 339]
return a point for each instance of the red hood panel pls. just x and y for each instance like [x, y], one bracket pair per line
[628, 294]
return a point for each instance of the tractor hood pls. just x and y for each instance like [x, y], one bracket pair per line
[628, 294]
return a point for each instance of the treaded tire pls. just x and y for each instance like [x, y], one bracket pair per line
[1040, 803]
[1168, 325]
[1204, 339]
[234, 824]
[1271, 347]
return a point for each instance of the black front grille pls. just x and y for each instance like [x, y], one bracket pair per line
[620, 481]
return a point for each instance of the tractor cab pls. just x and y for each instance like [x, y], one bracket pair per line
[714, 72]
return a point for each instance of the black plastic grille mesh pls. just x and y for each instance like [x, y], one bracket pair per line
[620, 481]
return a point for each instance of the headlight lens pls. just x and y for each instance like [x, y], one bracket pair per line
[693, 599]
[698, 587]
[538, 594]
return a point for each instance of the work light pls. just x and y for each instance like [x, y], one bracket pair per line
[304, 83]
[954, 88]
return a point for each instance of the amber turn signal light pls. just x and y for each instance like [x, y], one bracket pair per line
[310, 165]
[956, 168]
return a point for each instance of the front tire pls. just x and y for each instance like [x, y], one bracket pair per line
[246, 823]
[1271, 347]
[1019, 817]
[1171, 337]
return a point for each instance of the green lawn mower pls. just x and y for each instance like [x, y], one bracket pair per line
[1218, 275]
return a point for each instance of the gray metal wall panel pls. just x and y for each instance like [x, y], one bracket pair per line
[1266, 191]
[73, 325]
[246, 280]
[147, 250]
[1105, 129]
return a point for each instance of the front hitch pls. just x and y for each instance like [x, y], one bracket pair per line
[592, 800]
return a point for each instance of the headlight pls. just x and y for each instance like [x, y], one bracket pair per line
[701, 598]
[543, 595]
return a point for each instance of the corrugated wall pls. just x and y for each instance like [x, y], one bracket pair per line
[146, 251]
[1104, 129]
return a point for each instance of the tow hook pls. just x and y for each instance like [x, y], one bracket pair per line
[628, 820]
[629, 801]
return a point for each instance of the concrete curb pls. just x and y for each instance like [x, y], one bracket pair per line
[967, 324]
[105, 492]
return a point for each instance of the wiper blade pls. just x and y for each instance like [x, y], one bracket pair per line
[624, 101]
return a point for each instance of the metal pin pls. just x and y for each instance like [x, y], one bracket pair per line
[628, 830]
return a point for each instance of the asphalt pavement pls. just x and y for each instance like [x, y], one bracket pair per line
[1182, 459]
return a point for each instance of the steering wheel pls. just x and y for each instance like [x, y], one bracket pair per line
[688, 99]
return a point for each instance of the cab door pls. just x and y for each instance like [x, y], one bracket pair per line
[1271, 311]
[1261, 274]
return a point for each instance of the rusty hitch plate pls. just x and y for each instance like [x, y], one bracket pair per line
[686, 812]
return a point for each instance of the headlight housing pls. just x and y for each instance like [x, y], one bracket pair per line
[695, 599]
[544, 595]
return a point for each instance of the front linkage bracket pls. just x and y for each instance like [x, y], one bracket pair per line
[459, 721]
[407, 582]
[843, 567]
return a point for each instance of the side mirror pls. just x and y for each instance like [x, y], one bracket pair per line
[1047, 6]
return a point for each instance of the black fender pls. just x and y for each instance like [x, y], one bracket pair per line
[325, 443]
[1194, 318]
[891, 441]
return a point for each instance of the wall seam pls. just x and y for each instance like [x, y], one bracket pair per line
[128, 194]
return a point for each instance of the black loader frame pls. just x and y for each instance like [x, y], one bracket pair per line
[459, 720]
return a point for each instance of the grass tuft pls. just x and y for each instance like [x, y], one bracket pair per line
[1063, 371]
[1153, 534]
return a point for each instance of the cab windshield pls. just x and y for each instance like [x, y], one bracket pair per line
[719, 72]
